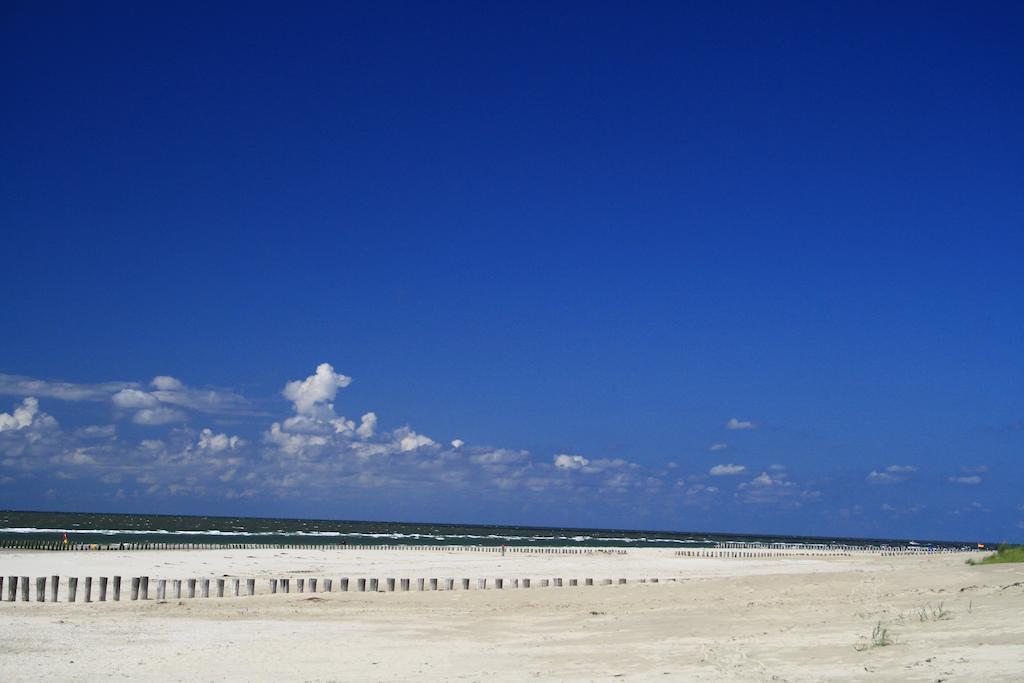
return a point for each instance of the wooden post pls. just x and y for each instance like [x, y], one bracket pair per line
[144, 587]
[23, 584]
[328, 585]
[250, 586]
[301, 585]
[117, 589]
[191, 588]
[204, 588]
[236, 587]
[220, 588]
[88, 589]
[449, 584]
[588, 582]
[135, 588]
[273, 586]
[526, 583]
[286, 585]
[481, 584]
[465, 584]
[373, 585]
[72, 588]
[54, 586]
[391, 585]
[360, 585]
[544, 583]
[343, 584]
[622, 581]
[40, 589]
[161, 589]
[574, 582]
[433, 584]
[312, 585]
[404, 583]
[419, 584]
[499, 583]
[558, 582]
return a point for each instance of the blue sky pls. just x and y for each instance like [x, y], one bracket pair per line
[580, 240]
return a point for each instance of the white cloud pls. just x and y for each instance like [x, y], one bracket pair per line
[409, 440]
[216, 443]
[19, 385]
[733, 423]
[901, 468]
[312, 395]
[975, 469]
[25, 415]
[158, 416]
[718, 447]
[458, 443]
[133, 399]
[722, 470]
[367, 426]
[165, 383]
[96, 432]
[570, 462]
[972, 480]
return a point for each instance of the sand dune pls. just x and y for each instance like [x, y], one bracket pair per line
[790, 619]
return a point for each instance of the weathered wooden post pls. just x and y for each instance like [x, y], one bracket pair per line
[236, 587]
[161, 589]
[54, 586]
[204, 588]
[144, 587]
[526, 583]
[191, 588]
[481, 584]
[220, 588]
[23, 584]
[449, 584]
[40, 589]
[250, 586]
[499, 584]
[273, 586]
[465, 584]
[135, 587]
[391, 585]
[622, 581]
[301, 587]
[588, 582]
[419, 584]
[286, 585]
[343, 584]
[328, 585]
[558, 582]
[117, 589]
[433, 584]
[72, 588]
[404, 584]
[574, 582]
[373, 585]
[360, 585]
[88, 589]
[312, 585]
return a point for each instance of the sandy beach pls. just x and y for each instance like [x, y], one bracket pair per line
[781, 618]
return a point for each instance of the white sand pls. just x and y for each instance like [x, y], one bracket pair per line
[793, 619]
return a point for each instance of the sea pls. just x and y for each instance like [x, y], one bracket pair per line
[106, 528]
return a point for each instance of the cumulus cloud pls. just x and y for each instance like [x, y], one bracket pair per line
[24, 416]
[409, 440]
[458, 443]
[971, 480]
[718, 447]
[216, 443]
[367, 426]
[900, 469]
[876, 477]
[134, 398]
[722, 470]
[564, 461]
[734, 424]
[312, 396]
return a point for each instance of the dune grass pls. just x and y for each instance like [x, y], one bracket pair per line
[1004, 553]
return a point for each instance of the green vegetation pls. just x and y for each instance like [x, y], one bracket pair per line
[1005, 553]
[880, 637]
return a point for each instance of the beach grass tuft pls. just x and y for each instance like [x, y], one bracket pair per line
[1004, 553]
[880, 637]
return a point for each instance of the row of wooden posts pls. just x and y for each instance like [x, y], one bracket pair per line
[840, 548]
[187, 588]
[22, 544]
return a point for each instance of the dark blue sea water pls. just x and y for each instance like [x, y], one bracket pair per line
[117, 528]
